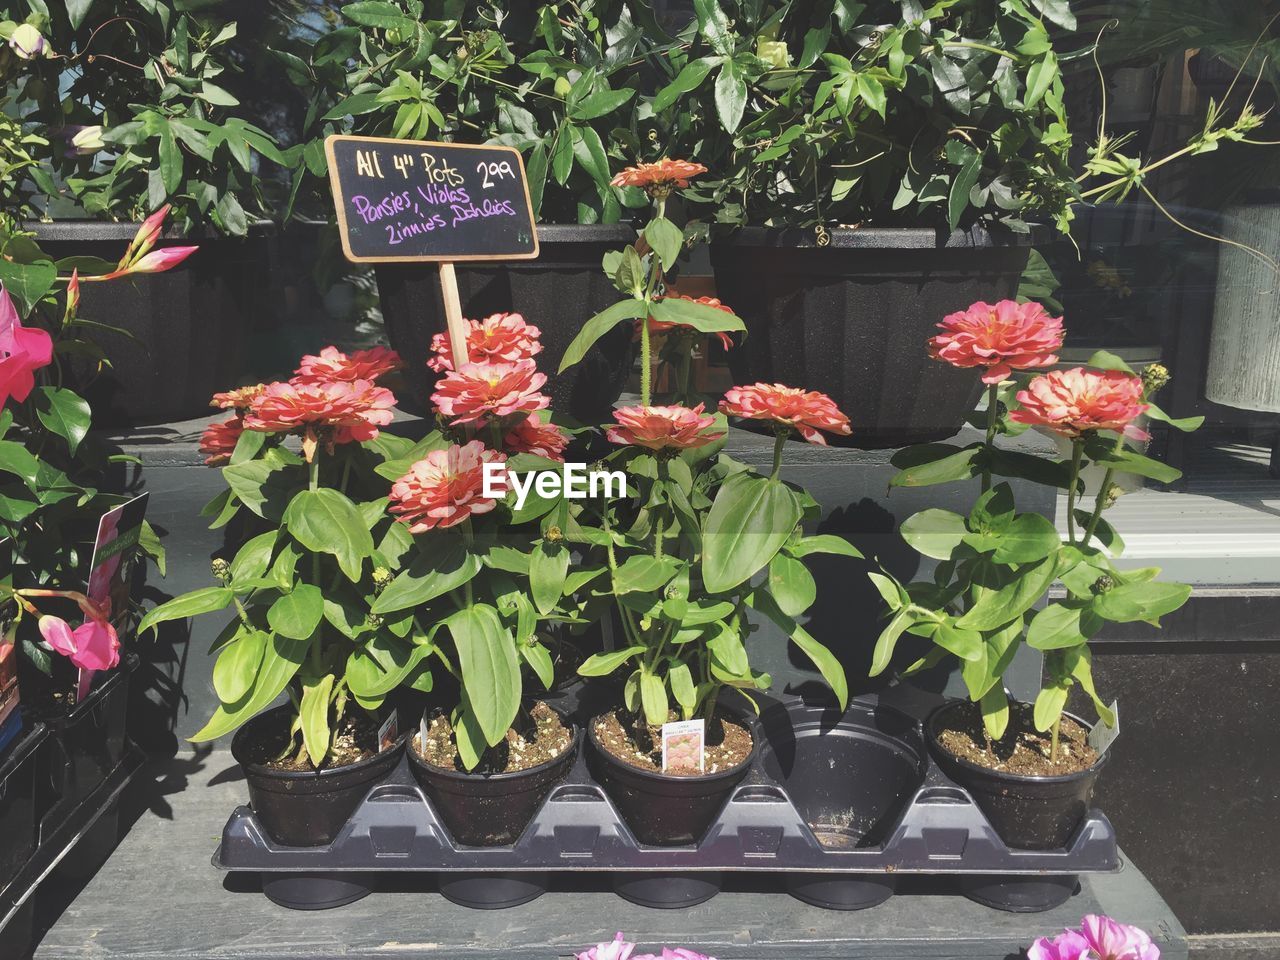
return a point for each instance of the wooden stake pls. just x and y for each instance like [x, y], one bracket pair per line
[453, 314]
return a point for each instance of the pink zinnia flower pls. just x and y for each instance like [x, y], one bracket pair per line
[23, 351]
[1112, 940]
[241, 398]
[500, 338]
[482, 390]
[1068, 945]
[662, 428]
[662, 326]
[660, 174]
[806, 411]
[218, 441]
[91, 646]
[329, 412]
[1071, 402]
[446, 487]
[531, 435]
[616, 949]
[332, 364]
[1002, 337]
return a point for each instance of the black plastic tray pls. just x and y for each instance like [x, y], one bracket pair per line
[921, 823]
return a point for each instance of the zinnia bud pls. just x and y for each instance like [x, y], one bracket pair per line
[1102, 585]
[1114, 492]
[374, 620]
[28, 43]
[221, 569]
[553, 534]
[1154, 377]
[381, 580]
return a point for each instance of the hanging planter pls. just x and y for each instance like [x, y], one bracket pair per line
[850, 317]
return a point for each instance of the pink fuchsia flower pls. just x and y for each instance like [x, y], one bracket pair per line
[1068, 945]
[660, 176]
[219, 440]
[662, 428]
[241, 398]
[331, 413]
[481, 390]
[1002, 337]
[332, 364]
[91, 646]
[531, 435]
[1111, 940]
[446, 487]
[1072, 402]
[616, 949]
[500, 338]
[662, 326]
[806, 411]
[23, 351]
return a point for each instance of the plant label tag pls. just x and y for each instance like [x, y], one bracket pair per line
[683, 746]
[389, 732]
[422, 733]
[114, 550]
[1102, 736]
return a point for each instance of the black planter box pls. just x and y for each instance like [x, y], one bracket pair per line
[925, 824]
[82, 748]
[18, 800]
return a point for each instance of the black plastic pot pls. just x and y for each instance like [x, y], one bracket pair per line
[18, 801]
[1027, 813]
[663, 810]
[884, 751]
[492, 891]
[192, 324]
[850, 318]
[667, 890]
[83, 747]
[482, 810]
[558, 292]
[317, 891]
[306, 808]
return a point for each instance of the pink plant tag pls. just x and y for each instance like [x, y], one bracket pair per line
[84, 682]
[683, 746]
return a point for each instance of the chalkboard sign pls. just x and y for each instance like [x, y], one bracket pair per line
[413, 200]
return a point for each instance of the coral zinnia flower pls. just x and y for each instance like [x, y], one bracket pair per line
[219, 441]
[659, 177]
[807, 411]
[662, 326]
[333, 364]
[329, 412]
[661, 428]
[1003, 337]
[23, 351]
[241, 398]
[531, 435]
[446, 487]
[482, 390]
[500, 338]
[1071, 402]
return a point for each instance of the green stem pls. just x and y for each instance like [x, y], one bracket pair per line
[495, 434]
[778, 442]
[1077, 449]
[468, 538]
[1099, 503]
[645, 372]
[1053, 742]
[313, 482]
[993, 420]
[686, 361]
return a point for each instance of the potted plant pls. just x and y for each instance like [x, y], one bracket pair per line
[559, 85]
[680, 556]
[1029, 766]
[135, 117]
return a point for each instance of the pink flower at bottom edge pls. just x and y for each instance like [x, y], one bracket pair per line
[1112, 940]
[616, 949]
[1068, 945]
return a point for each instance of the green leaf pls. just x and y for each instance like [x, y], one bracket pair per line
[379, 14]
[1028, 538]
[730, 96]
[680, 679]
[887, 642]
[65, 413]
[261, 485]
[1015, 598]
[489, 667]
[749, 521]
[1059, 11]
[1127, 461]
[588, 150]
[701, 317]
[1040, 78]
[995, 711]
[383, 663]
[1185, 424]
[297, 614]
[641, 573]
[603, 664]
[252, 560]
[1049, 705]
[548, 567]
[965, 644]
[1056, 627]
[689, 78]
[313, 713]
[445, 567]
[818, 654]
[961, 186]
[280, 661]
[653, 698]
[28, 282]
[601, 102]
[17, 459]
[931, 463]
[539, 660]
[934, 533]
[1130, 602]
[237, 664]
[792, 585]
[824, 543]
[597, 327]
[326, 521]
[191, 604]
[666, 240]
